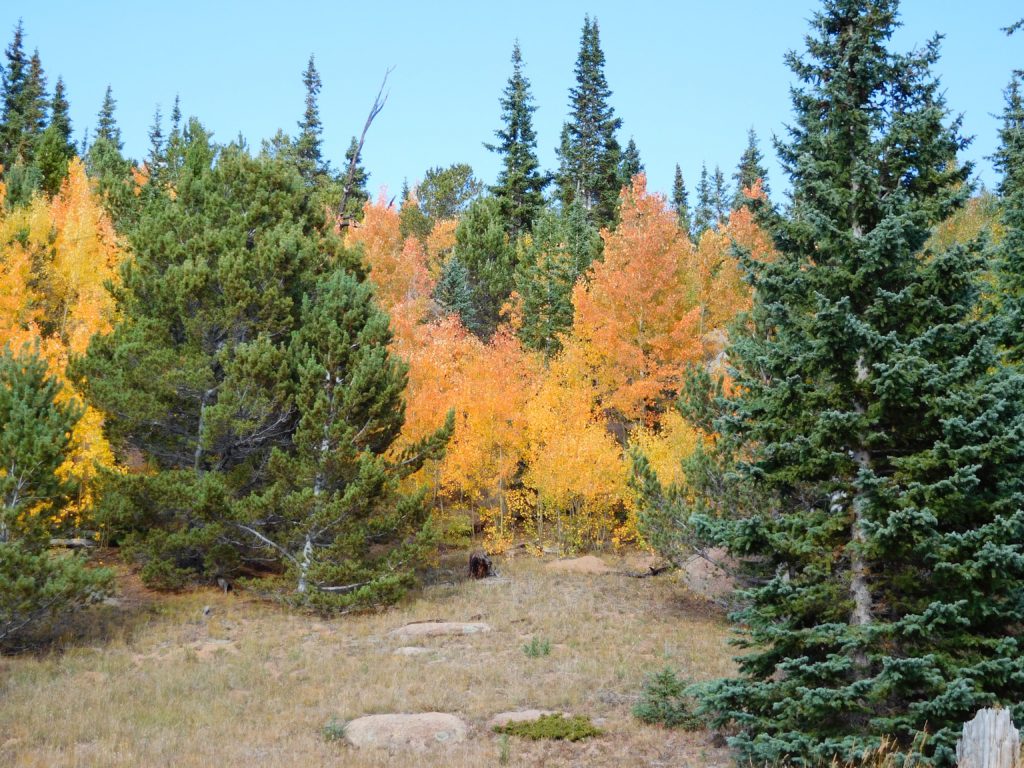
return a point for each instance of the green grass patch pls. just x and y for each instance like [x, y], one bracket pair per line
[557, 727]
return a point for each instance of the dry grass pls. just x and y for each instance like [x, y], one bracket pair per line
[253, 685]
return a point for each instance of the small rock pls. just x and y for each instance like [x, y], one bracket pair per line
[439, 629]
[585, 564]
[405, 731]
[520, 716]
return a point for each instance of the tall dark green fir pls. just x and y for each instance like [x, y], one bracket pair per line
[873, 415]
[1010, 162]
[680, 202]
[520, 186]
[589, 153]
[750, 169]
[704, 212]
[309, 144]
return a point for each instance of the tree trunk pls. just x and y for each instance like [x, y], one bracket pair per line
[990, 740]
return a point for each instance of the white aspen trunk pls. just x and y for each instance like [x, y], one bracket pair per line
[990, 740]
[307, 556]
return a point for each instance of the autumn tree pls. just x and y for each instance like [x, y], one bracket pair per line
[589, 153]
[60, 258]
[520, 186]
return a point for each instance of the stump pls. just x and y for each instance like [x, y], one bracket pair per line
[990, 740]
[480, 566]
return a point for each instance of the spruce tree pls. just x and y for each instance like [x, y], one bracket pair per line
[14, 82]
[35, 436]
[246, 331]
[520, 187]
[309, 144]
[750, 169]
[483, 247]
[719, 198]
[680, 202]
[870, 410]
[1009, 160]
[358, 194]
[704, 212]
[454, 294]
[106, 124]
[589, 153]
[631, 163]
[56, 147]
[563, 247]
[155, 157]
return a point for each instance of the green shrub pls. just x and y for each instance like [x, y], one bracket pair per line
[664, 700]
[537, 648]
[558, 727]
[334, 730]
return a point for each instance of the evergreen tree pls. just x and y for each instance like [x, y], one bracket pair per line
[563, 247]
[309, 144]
[482, 245]
[631, 163]
[1009, 160]
[156, 158]
[870, 409]
[720, 198]
[589, 154]
[412, 221]
[56, 147]
[520, 187]
[445, 193]
[35, 433]
[750, 169]
[454, 294]
[14, 82]
[680, 202]
[106, 124]
[250, 369]
[358, 194]
[704, 213]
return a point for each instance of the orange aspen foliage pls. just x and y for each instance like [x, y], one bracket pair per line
[440, 243]
[56, 260]
[638, 312]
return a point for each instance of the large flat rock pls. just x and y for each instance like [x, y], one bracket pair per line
[419, 731]
[438, 629]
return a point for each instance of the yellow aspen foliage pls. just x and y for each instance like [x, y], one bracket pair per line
[57, 258]
[574, 465]
[668, 447]
[440, 243]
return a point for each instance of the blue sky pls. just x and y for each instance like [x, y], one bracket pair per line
[688, 78]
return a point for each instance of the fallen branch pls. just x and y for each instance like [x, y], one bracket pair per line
[76, 543]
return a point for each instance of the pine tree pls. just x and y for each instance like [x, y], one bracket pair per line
[309, 144]
[156, 158]
[108, 166]
[106, 124]
[870, 411]
[482, 246]
[35, 431]
[56, 147]
[631, 163]
[520, 187]
[719, 198]
[358, 194]
[750, 169]
[680, 202]
[454, 294]
[589, 153]
[704, 213]
[250, 369]
[1009, 161]
[563, 247]
[14, 81]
